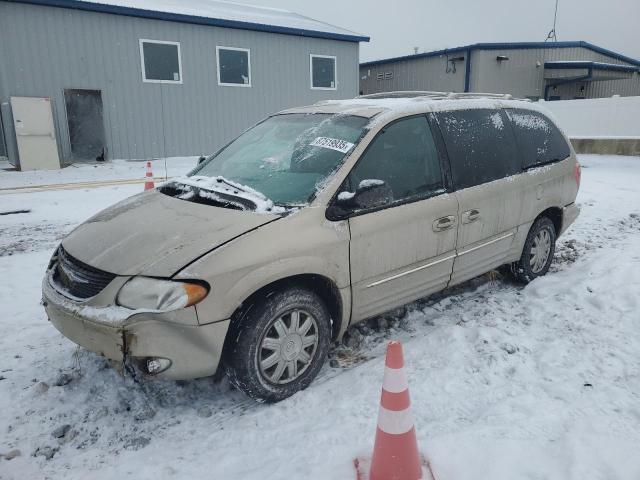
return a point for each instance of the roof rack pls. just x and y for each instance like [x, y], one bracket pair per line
[440, 95]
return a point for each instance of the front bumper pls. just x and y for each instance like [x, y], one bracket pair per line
[194, 350]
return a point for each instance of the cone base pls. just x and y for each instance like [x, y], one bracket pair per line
[363, 466]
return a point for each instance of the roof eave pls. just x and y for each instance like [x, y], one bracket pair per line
[559, 65]
[192, 19]
[507, 46]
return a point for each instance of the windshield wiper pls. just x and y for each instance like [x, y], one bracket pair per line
[205, 196]
[220, 179]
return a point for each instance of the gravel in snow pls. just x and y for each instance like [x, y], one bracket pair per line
[534, 382]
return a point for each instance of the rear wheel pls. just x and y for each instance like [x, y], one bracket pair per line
[279, 344]
[537, 253]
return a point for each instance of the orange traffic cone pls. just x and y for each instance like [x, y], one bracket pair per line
[395, 453]
[148, 185]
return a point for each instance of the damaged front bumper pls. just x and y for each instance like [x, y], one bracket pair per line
[124, 336]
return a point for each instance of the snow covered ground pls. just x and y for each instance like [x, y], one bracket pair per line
[94, 172]
[540, 382]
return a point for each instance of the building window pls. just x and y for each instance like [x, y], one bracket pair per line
[323, 72]
[234, 66]
[160, 61]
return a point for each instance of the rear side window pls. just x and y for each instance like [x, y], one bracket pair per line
[539, 140]
[480, 145]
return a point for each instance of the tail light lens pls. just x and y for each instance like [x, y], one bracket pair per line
[577, 173]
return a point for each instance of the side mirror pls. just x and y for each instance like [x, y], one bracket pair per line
[201, 159]
[369, 194]
[372, 193]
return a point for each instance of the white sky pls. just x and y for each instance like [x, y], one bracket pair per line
[396, 26]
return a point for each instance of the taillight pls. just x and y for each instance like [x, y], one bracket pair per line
[577, 172]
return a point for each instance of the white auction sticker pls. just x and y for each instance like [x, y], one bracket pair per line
[332, 143]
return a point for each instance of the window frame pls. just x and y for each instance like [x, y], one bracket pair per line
[142, 41]
[335, 71]
[442, 160]
[235, 49]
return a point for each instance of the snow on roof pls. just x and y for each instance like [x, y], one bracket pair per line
[214, 12]
[385, 109]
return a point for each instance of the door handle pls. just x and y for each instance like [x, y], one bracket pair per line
[470, 216]
[444, 223]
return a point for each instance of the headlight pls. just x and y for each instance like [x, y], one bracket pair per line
[162, 295]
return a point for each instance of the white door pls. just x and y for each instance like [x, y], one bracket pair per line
[35, 133]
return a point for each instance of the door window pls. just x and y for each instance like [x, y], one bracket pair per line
[539, 140]
[405, 158]
[480, 144]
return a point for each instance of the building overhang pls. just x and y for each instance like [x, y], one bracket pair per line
[587, 71]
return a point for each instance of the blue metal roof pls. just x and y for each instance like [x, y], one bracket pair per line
[176, 16]
[507, 46]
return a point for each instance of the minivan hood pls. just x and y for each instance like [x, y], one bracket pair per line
[155, 234]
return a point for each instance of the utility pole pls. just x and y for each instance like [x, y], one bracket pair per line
[552, 34]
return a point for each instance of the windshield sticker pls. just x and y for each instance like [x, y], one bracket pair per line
[332, 144]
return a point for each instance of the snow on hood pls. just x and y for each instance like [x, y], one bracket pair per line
[156, 234]
[208, 186]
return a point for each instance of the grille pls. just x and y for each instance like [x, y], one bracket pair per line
[78, 279]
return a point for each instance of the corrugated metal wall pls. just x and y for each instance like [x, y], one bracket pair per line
[49, 49]
[421, 74]
[522, 75]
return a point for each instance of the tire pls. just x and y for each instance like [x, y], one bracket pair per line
[266, 333]
[530, 267]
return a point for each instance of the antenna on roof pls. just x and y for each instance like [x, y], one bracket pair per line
[415, 50]
[552, 33]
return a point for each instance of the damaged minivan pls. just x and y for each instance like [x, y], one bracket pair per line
[314, 219]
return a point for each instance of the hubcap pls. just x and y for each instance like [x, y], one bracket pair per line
[540, 250]
[288, 347]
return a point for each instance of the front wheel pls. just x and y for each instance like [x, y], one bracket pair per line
[537, 253]
[280, 344]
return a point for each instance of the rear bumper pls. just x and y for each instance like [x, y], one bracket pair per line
[194, 350]
[569, 215]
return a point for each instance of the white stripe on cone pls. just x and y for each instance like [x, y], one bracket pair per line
[395, 380]
[395, 423]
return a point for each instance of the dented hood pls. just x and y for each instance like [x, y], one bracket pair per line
[155, 234]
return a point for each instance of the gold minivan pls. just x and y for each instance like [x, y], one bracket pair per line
[314, 219]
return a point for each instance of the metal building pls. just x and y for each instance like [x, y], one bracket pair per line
[535, 70]
[137, 79]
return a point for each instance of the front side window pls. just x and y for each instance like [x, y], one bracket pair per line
[161, 61]
[480, 145]
[323, 72]
[287, 157]
[539, 140]
[234, 66]
[403, 156]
